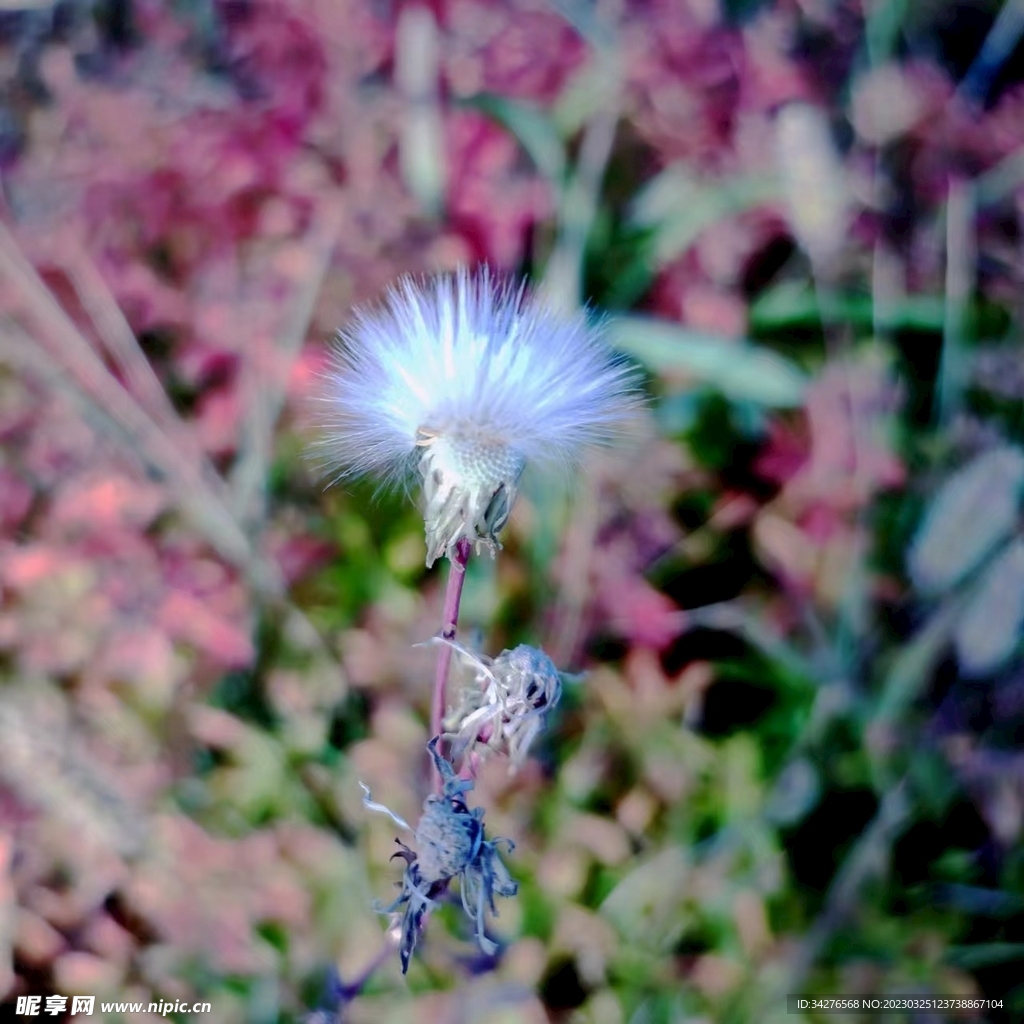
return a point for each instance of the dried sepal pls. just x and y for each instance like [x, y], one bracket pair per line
[469, 488]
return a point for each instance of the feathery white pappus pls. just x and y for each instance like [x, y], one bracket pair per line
[466, 380]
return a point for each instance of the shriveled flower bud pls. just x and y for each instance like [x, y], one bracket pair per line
[463, 382]
[507, 704]
[450, 844]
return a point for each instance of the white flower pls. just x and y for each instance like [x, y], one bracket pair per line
[465, 381]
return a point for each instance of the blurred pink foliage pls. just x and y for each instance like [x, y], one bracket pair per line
[830, 469]
[528, 56]
[686, 75]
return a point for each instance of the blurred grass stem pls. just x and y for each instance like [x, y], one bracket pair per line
[869, 858]
[1001, 41]
[55, 351]
[452, 600]
[961, 257]
[581, 196]
[266, 374]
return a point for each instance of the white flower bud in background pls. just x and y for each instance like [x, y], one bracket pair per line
[417, 75]
[463, 382]
[506, 705]
[814, 182]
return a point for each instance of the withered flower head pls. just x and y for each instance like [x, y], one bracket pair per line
[450, 844]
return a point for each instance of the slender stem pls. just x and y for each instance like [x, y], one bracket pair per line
[452, 599]
[346, 993]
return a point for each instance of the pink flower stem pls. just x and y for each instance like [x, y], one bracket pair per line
[452, 599]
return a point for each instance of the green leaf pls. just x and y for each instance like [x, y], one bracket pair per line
[678, 206]
[792, 304]
[915, 313]
[973, 899]
[796, 791]
[739, 11]
[975, 510]
[535, 131]
[985, 954]
[914, 664]
[739, 370]
[594, 87]
[883, 27]
[647, 906]
[934, 784]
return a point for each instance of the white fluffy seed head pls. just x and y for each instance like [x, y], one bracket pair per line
[464, 381]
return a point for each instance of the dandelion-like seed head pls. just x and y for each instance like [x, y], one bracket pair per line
[463, 381]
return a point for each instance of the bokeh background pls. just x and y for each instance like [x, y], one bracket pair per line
[793, 761]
